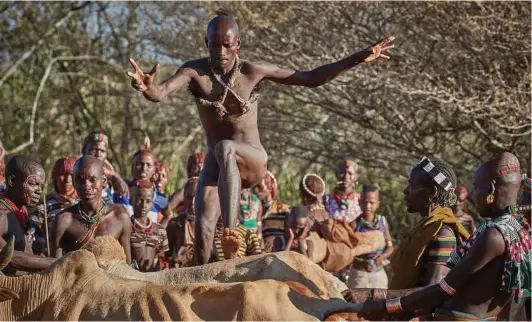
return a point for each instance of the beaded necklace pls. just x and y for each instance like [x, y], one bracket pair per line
[92, 222]
[94, 219]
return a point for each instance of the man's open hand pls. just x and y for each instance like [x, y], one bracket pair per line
[377, 50]
[140, 80]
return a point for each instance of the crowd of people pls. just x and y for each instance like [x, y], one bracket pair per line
[157, 229]
[445, 263]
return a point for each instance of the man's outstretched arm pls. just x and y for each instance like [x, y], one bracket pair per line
[145, 82]
[486, 248]
[324, 74]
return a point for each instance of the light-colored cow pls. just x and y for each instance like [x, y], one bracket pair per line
[76, 288]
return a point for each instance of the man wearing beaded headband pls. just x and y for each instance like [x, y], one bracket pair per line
[91, 216]
[25, 180]
[226, 92]
[97, 144]
[343, 203]
[489, 268]
[148, 238]
[421, 256]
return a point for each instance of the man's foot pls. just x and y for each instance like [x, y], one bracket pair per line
[230, 243]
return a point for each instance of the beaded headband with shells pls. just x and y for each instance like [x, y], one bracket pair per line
[303, 181]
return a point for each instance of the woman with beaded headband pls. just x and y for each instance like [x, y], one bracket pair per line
[342, 204]
[226, 92]
[487, 271]
[421, 256]
[97, 145]
[274, 213]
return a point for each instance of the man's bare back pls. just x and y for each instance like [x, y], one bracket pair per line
[227, 105]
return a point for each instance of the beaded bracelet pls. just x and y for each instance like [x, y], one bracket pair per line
[393, 306]
[446, 287]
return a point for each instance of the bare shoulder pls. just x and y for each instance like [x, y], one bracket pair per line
[493, 241]
[195, 67]
[66, 214]
[118, 211]
[260, 67]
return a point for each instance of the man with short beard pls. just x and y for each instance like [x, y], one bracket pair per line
[91, 217]
[24, 185]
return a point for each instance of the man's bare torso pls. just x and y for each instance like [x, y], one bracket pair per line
[234, 126]
[74, 237]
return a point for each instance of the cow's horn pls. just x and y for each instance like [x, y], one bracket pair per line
[7, 252]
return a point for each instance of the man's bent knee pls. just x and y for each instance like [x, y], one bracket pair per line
[224, 149]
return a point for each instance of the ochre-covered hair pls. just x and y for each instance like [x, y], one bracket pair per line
[159, 165]
[461, 188]
[505, 168]
[63, 166]
[142, 184]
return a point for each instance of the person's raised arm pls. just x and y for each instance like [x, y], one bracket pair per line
[145, 82]
[326, 73]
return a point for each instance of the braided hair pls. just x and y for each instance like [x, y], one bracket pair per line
[444, 198]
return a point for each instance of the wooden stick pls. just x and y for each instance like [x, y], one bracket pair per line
[46, 226]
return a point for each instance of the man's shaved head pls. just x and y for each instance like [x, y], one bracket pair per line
[222, 41]
[88, 161]
[224, 19]
[89, 178]
[501, 177]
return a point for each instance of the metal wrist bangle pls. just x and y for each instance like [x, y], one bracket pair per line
[393, 306]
